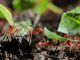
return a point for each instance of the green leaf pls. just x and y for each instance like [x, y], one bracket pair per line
[75, 10]
[41, 6]
[2, 16]
[37, 6]
[52, 35]
[70, 22]
[21, 5]
[54, 8]
[17, 5]
[6, 13]
[23, 26]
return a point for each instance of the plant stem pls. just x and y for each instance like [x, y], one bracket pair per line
[37, 19]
